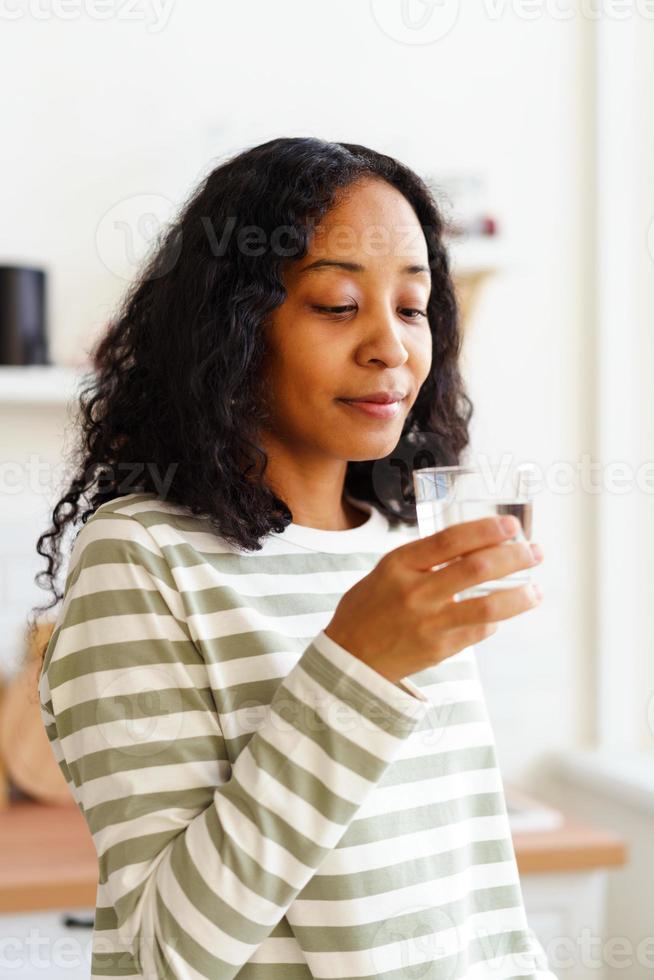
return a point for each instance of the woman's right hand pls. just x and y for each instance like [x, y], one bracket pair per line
[402, 617]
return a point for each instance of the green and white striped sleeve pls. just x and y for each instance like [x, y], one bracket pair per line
[201, 858]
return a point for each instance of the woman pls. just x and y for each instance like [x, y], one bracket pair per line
[225, 688]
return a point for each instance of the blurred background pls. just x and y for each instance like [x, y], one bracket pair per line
[534, 124]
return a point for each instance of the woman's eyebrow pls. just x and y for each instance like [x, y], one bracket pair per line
[412, 269]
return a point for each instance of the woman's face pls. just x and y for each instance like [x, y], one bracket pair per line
[379, 341]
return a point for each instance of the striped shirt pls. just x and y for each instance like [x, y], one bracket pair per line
[263, 803]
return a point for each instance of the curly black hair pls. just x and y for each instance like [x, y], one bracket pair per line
[175, 375]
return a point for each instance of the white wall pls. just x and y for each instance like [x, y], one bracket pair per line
[645, 238]
[105, 111]
[627, 939]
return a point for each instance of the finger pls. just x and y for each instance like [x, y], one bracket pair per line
[454, 640]
[488, 608]
[481, 566]
[457, 540]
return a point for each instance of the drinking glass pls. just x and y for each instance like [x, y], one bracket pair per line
[447, 495]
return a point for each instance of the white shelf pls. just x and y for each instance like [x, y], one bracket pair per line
[527, 814]
[625, 776]
[475, 254]
[39, 384]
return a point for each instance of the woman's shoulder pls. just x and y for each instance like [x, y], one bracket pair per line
[122, 532]
[145, 515]
[142, 507]
[164, 536]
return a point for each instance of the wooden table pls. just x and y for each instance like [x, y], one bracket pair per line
[47, 857]
[574, 846]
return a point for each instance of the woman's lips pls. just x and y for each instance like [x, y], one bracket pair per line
[375, 409]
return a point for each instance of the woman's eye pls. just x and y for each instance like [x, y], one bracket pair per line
[419, 312]
[334, 309]
[343, 309]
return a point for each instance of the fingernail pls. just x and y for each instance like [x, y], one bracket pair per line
[536, 589]
[509, 525]
[536, 551]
